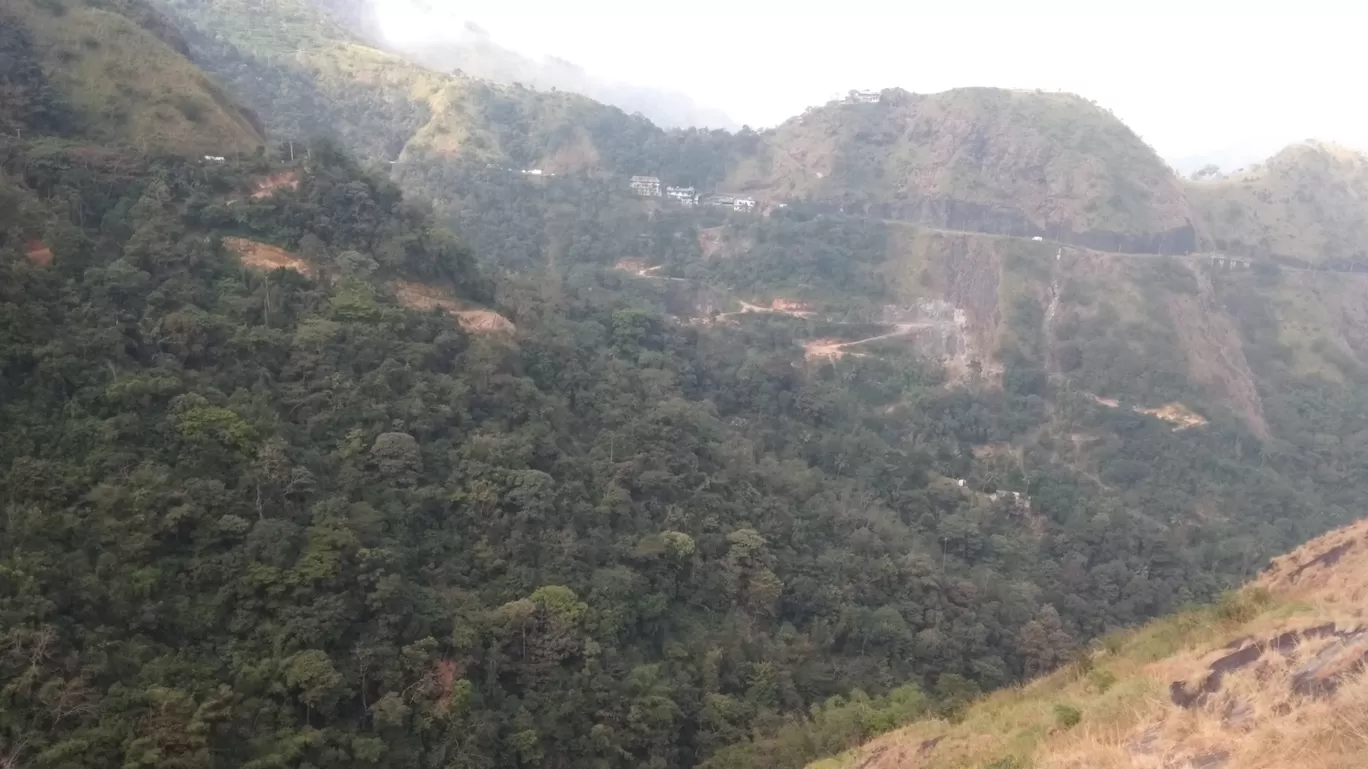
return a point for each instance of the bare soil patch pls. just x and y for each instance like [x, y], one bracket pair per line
[711, 242]
[1176, 414]
[38, 253]
[260, 256]
[267, 186]
[421, 296]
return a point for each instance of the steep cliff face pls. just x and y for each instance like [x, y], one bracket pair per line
[1308, 203]
[987, 160]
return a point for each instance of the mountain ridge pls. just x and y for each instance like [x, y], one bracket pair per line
[1023, 163]
[295, 477]
[472, 51]
[1073, 172]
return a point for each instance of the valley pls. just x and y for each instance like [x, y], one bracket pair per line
[361, 413]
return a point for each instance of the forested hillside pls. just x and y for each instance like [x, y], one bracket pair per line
[278, 519]
[293, 475]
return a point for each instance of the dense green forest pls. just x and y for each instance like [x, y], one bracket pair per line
[279, 519]
[259, 519]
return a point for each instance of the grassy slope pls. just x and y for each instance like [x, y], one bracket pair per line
[1307, 203]
[1121, 690]
[128, 85]
[467, 118]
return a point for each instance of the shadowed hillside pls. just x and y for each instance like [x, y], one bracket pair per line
[121, 72]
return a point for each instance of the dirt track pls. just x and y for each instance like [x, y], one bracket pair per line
[828, 348]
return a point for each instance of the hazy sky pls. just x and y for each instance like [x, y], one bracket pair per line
[1190, 77]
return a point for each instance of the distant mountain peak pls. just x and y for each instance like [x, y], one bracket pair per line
[440, 40]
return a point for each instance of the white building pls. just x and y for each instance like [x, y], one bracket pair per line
[734, 202]
[646, 186]
[684, 195]
[863, 97]
[532, 171]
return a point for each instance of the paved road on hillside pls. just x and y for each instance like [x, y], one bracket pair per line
[1119, 254]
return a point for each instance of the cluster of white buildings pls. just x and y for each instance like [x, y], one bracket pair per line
[650, 187]
[1226, 261]
[534, 172]
[685, 196]
[863, 97]
[646, 186]
[1017, 499]
[734, 202]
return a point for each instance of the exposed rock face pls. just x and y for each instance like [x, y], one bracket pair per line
[1314, 568]
[1317, 672]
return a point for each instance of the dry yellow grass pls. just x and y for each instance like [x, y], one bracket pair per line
[1267, 680]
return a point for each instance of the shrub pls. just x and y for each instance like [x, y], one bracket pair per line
[1067, 716]
[1101, 680]
[1242, 606]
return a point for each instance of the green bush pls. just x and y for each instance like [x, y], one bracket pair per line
[1101, 680]
[1067, 716]
[1242, 606]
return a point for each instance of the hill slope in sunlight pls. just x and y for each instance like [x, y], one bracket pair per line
[1307, 204]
